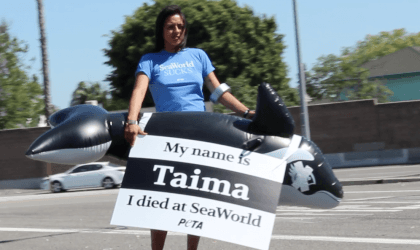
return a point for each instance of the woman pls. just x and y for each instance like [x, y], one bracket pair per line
[175, 75]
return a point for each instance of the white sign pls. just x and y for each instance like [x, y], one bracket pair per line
[200, 188]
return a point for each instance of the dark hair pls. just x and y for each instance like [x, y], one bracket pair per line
[160, 21]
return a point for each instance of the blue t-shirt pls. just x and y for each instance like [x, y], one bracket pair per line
[176, 79]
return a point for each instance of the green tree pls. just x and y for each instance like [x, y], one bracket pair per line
[243, 47]
[380, 45]
[20, 95]
[89, 91]
[342, 77]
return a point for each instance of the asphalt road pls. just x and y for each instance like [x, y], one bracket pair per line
[378, 216]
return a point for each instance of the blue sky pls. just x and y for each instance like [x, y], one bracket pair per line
[77, 32]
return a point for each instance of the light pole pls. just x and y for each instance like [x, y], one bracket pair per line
[304, 119]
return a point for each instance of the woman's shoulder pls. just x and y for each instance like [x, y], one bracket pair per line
[198, 53]
[154, 56]
[195, 50]
[150, 55]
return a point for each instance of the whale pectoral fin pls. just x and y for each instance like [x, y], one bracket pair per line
[253, 143]
[272, 116]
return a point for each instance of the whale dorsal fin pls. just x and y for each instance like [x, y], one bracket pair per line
[271, 116]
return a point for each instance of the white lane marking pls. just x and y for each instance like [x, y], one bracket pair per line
[295, 218]
[355, 209]
[405, 173]
[273, 237]
[347, 239]
[371, 198]
[39, 230]
[346, 207]
[404, 176]
[59, 195]
[380, 202]
[344, 210]
[409, 207]
[357, 206]
[317, 214]
[372, 168]
[381, 191]
[49, 230]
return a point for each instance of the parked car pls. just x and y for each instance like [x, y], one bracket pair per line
[94, 174]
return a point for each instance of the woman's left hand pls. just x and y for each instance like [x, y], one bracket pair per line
[250, 115]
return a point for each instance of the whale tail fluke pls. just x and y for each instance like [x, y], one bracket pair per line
[272, 116]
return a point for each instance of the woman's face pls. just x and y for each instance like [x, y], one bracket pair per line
[173, 32]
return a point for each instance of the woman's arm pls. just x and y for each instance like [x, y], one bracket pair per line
[139, 92]
[227, 99]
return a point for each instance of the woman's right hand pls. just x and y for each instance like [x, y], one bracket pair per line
[131, 131]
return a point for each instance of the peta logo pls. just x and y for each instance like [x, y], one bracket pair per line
[191, 223]
[302, 176]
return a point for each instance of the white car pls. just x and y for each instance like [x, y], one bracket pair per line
[94, 174]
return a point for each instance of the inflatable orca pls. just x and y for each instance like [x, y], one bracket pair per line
[85, 133]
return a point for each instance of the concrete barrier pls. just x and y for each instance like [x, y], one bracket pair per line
[374, 158]
[29, 183]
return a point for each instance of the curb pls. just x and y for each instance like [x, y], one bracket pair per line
[378, 181]
[22, 192]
